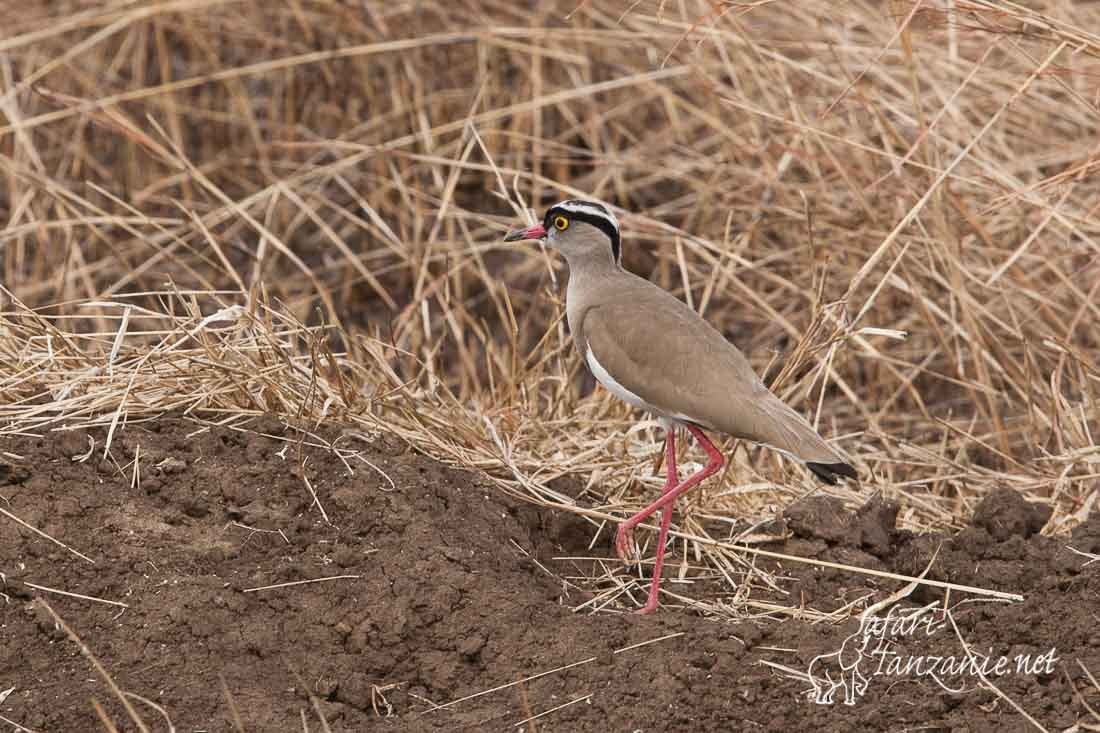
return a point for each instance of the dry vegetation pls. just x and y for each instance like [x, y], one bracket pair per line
[234, 208]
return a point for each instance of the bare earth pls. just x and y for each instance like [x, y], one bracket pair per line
[443, 587]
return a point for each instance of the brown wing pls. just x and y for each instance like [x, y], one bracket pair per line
[665, 353]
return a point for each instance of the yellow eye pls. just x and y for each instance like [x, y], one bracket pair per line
[561, 222]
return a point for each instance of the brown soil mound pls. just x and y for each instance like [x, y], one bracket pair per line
[440, 587]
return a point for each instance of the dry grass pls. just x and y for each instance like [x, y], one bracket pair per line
[235, 208]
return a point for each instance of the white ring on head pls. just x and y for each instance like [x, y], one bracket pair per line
[592, 209]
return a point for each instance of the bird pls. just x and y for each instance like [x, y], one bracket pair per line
[654, 352]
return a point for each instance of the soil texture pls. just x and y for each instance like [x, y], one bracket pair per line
[431, 586]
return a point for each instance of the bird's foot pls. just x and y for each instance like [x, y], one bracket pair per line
[624, 544]
[649, 607]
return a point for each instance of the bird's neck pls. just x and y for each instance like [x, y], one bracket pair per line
[591, 263]
[590, 283]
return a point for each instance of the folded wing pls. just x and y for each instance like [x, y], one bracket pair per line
[666, 354]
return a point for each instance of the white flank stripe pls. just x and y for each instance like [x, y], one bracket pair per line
[612, 386]
[603, 377]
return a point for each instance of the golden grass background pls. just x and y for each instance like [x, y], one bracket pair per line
[234, 208]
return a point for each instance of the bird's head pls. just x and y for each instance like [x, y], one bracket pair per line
[579, 229]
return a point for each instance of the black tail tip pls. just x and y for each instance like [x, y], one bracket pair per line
[828, 472]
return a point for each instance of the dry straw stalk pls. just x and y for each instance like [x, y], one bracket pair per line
[229, 209]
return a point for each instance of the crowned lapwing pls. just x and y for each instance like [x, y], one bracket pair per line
[652, 351]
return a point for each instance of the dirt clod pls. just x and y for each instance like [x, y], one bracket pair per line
[819, 517]
[877, 521]
[1004, 513]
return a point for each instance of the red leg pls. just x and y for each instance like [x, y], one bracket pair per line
[623, 539]
[671, 480]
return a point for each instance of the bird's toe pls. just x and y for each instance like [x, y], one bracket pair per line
[624, 544]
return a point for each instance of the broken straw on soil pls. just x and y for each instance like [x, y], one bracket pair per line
[435, 599]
